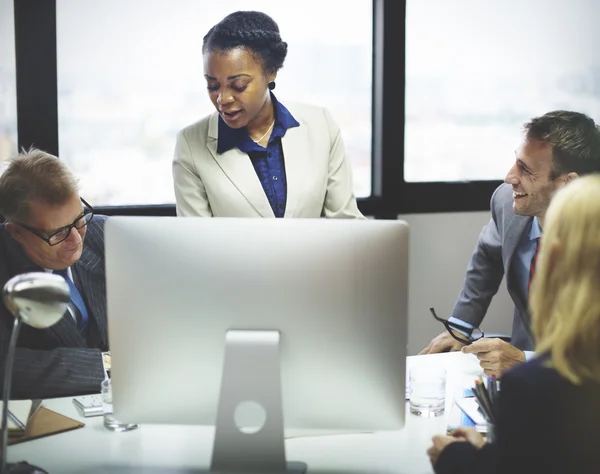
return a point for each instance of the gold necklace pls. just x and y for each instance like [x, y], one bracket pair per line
[261, 138]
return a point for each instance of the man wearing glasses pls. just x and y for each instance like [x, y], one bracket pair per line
[557, 148]
[48, 227]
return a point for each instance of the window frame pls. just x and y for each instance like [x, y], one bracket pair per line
[414, 197]
[37, 116]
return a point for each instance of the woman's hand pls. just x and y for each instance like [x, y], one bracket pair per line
[470, 435]
[439, 444]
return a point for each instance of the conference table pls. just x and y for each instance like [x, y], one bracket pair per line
[187, 449]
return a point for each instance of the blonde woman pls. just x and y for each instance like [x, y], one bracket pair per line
[549, 408]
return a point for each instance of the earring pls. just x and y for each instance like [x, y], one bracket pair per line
[271, 85]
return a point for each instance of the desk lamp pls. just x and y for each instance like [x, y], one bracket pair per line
[38, 300]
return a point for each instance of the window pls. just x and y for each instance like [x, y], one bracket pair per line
[477, 70]
[8, 92]
[130, 76]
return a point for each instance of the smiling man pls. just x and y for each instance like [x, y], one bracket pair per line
[48, 227]
[557, 148]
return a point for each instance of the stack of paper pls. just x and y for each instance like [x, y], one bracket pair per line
[474, 417]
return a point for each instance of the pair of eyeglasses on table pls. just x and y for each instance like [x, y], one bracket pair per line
[472, 334]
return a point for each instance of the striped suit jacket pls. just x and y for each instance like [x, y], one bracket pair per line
[58, 361]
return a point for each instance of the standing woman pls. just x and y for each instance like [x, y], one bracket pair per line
[254, 157]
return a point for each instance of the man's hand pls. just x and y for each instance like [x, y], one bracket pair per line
[440, 442]
[495, 355]
[443, 343]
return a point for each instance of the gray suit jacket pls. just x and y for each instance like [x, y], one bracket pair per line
[58, 361]
[491, 260]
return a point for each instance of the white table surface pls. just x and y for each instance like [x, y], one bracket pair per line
[178, 449]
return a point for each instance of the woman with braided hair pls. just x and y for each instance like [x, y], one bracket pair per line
[255, 157]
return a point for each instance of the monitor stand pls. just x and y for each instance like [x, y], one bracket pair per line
[251, 380]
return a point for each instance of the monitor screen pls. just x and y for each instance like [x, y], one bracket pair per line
[333, 291]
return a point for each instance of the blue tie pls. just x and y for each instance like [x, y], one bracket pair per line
[76, 299]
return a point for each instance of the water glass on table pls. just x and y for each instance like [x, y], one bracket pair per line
[110, 422]
[427, 391]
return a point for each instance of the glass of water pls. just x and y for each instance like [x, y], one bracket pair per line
[427, 391]
[110, 423]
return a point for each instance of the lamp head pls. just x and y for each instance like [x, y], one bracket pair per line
[40, 299]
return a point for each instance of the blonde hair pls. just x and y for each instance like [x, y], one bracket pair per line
[33, 175]
[565, 295]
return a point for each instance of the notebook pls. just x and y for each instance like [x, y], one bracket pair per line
[42, 422]
[470, 414]
[19, 409]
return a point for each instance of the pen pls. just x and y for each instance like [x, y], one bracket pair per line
[485, 394]
[488, 392]
[482, 407]
[15, 420]
[491, 386]
[492, 382]
[483, 400]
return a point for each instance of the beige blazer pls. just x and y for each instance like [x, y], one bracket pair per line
[319, 178]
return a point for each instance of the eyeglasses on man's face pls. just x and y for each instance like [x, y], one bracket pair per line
[63, 233]
[474, 334]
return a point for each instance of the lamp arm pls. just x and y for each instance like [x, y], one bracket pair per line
[8, 369]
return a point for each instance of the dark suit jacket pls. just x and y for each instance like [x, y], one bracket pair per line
[546, 425]
[58, 361]
[491, 260]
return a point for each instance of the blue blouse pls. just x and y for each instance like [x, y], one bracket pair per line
[268, 162]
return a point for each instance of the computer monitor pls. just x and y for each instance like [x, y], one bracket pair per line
[306, 319]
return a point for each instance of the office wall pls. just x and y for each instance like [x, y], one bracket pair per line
[440, 248]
